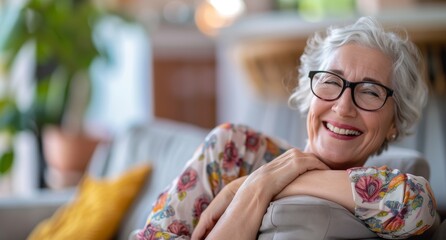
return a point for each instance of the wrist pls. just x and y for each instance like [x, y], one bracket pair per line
[247, 210]
[333, 185]
[234, 185]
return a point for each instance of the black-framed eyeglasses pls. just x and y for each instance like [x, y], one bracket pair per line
[366, 95]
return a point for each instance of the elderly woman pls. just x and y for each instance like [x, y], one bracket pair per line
[361, 88]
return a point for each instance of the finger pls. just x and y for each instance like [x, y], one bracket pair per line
[202, 227]
[200, 232]
[307, 161]
[197, 234]
[215, 210]
[317, 165]
[284, 169]
[207, 222]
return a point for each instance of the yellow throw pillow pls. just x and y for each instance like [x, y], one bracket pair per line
[97, 210]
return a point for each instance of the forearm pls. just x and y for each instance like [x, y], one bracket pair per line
[333, 185]
[245, 210]
[252, 199]
[390, 203]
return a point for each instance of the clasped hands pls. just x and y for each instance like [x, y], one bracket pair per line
[237, 211]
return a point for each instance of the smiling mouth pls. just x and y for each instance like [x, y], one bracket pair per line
[341, 131]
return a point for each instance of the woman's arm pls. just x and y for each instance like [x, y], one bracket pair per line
[228, 152]
[392, 204]
[243, 216]
[333, 185]
[216, 209]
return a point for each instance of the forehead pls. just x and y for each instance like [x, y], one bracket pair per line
[357, 63]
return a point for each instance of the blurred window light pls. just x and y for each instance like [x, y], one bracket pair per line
[228, 8]
[207, 19]
[212, 15]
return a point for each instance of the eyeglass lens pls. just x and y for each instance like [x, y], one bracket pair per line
[366, 95]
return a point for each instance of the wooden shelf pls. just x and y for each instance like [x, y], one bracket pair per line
[270, 55]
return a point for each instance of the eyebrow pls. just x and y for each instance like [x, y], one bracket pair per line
[367, 79]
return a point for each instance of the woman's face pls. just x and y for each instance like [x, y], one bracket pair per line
[339, 151]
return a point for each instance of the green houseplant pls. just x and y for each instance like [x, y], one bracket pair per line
[61, 32]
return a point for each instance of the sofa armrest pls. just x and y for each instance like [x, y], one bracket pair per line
[19, 215]
[405, 159]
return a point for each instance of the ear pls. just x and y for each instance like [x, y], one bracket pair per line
[392, 134]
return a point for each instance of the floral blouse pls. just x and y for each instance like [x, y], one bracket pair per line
[390, 203]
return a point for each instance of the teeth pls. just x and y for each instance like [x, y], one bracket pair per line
[342, 131]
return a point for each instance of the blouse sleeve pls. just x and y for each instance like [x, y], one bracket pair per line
[391, 203]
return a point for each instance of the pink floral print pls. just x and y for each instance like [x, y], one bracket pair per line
[179, 228]
[201, 203]
[187, 180]
[252, 141]
[230, 156]
[390, 203]
[368, 188]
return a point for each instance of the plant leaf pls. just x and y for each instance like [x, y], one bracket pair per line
[6, 161]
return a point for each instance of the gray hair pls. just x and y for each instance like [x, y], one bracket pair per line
[410, 93]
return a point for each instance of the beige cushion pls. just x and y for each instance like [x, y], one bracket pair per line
[306, 217]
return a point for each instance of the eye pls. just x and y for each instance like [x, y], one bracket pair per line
[330, 80]
[371, 90]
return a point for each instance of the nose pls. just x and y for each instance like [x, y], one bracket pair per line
[344, 105]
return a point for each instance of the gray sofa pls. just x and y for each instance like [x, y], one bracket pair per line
[168, 145]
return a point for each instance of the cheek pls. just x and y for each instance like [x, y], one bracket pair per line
[375, 134]
[380, 125]
[317, 109]
[311, 123]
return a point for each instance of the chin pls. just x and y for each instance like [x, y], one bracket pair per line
[337, 162]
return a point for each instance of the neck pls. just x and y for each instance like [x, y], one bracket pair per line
[332, 164]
